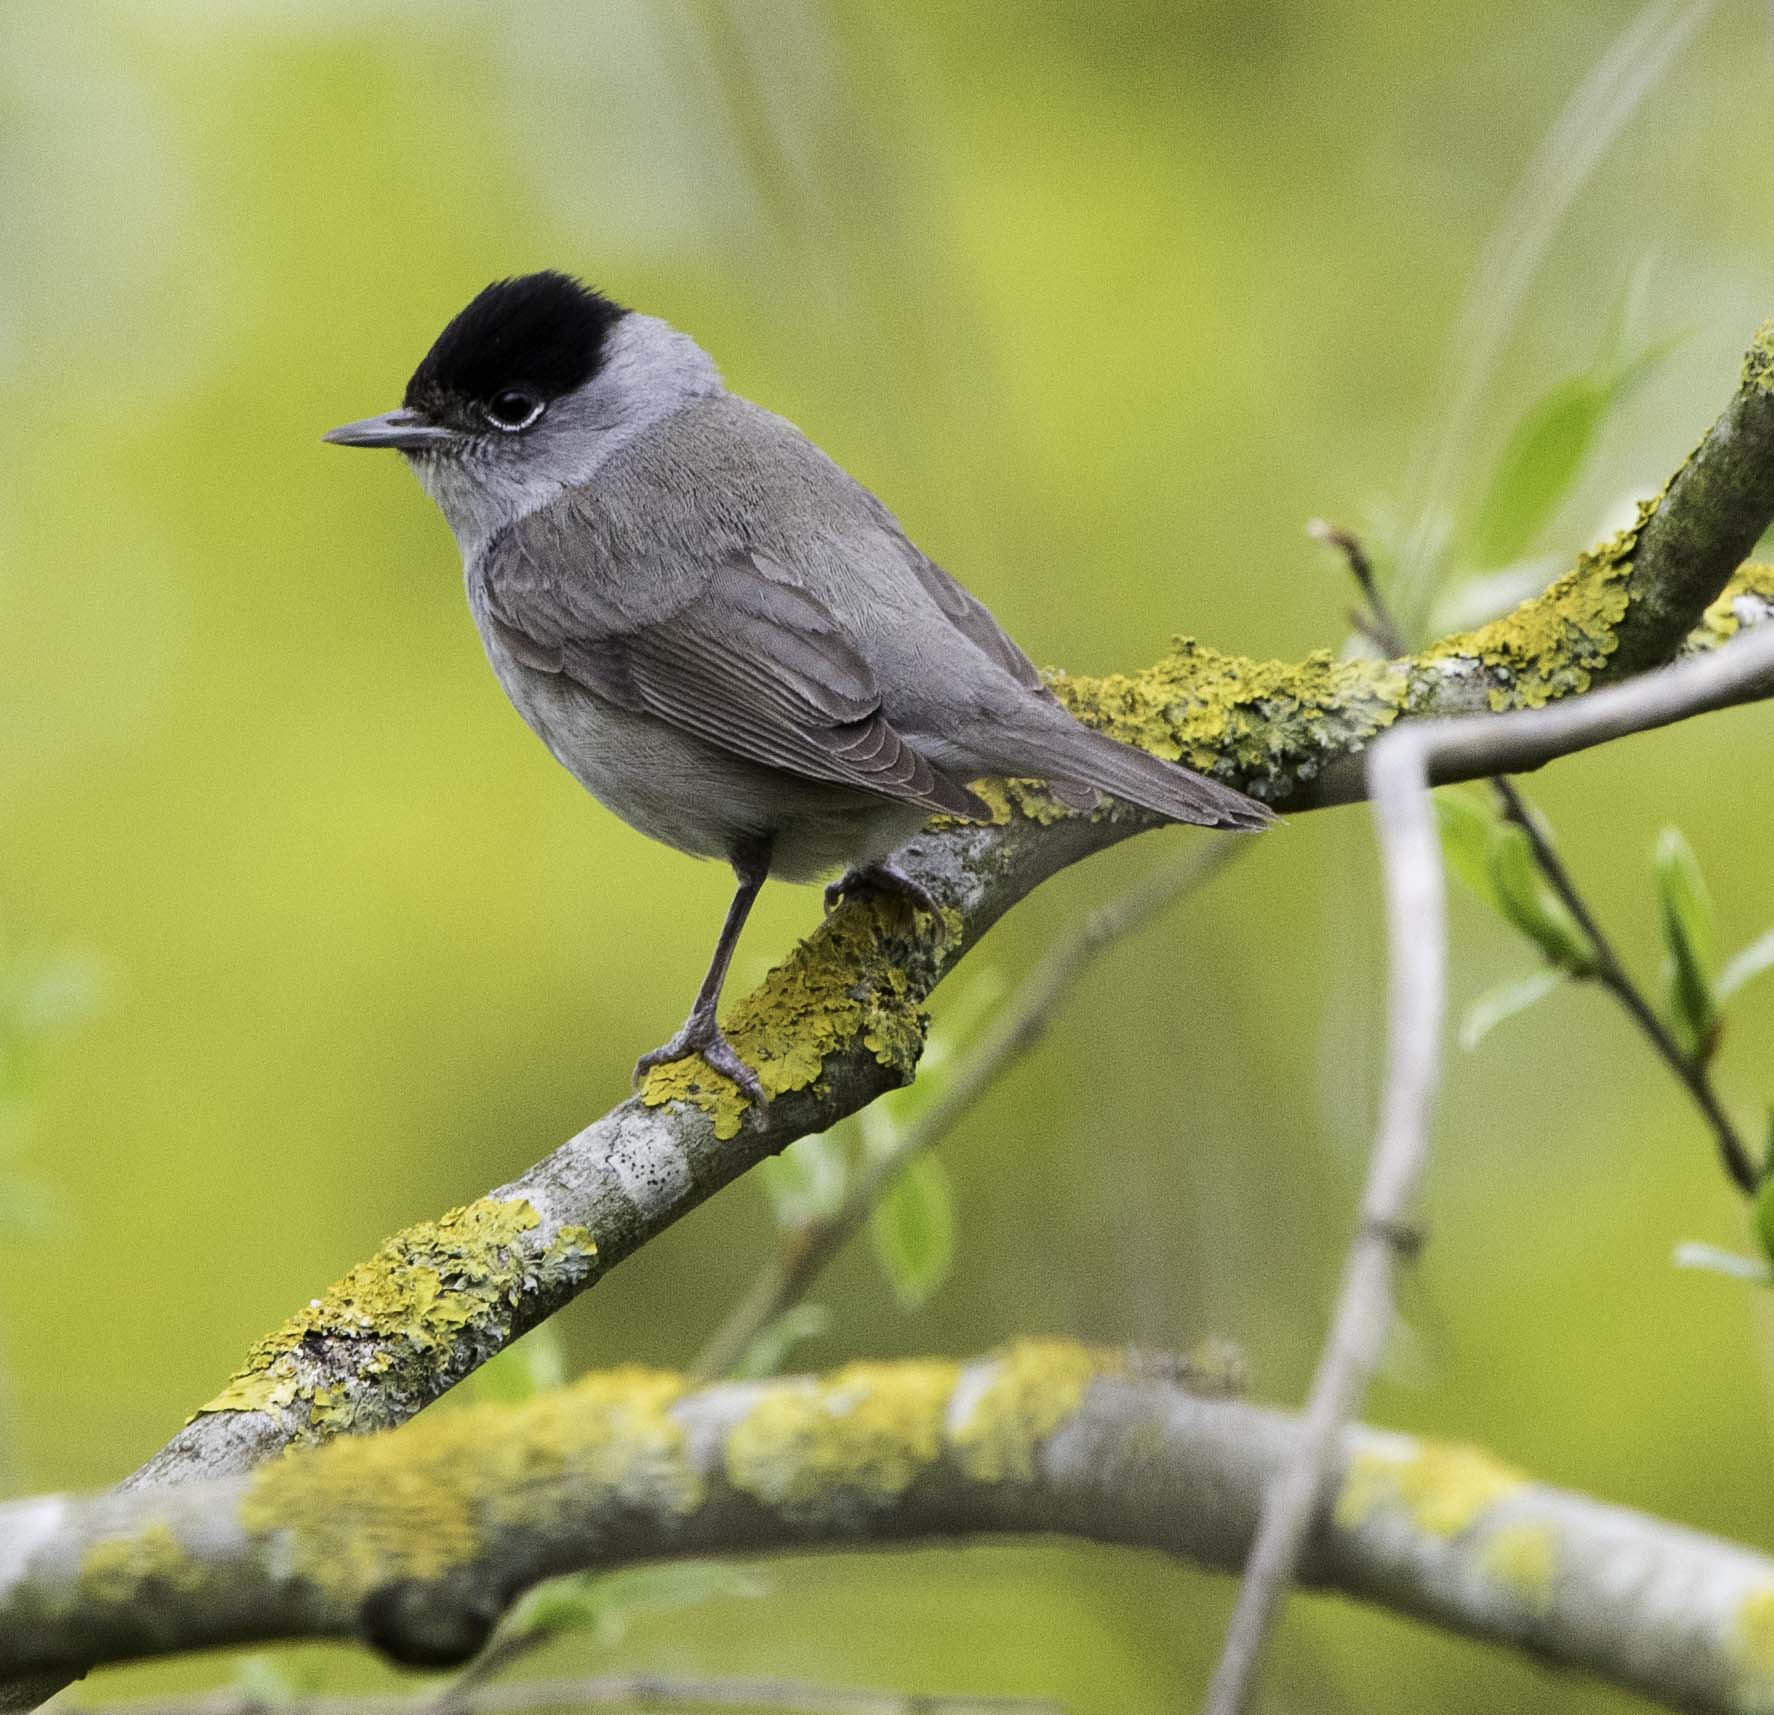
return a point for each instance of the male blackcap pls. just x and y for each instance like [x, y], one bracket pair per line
[725, 638]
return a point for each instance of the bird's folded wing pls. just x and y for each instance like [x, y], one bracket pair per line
[973, 619]
[756, 666]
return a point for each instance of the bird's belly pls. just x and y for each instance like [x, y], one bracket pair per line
[660, 782]
[694, 796]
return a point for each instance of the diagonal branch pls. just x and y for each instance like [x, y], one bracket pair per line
[839, 1022]
[416, 1540]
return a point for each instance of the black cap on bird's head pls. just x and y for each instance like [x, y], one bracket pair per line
[517, 347]
[543, 331]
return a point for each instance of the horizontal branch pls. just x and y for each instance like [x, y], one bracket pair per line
[417, 1540]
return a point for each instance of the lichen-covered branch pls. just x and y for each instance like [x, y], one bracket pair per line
[418, 1539]
[840, 1021]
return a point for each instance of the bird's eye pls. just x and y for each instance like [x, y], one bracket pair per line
[516, 408]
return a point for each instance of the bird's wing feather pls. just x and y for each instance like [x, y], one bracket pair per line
[973, 619]
[747, 661]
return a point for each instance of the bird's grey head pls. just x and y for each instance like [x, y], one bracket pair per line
[528, 391]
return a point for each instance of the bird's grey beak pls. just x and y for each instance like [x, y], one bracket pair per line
[405, 430]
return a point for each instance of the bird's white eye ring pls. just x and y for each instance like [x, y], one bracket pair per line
[512, 409]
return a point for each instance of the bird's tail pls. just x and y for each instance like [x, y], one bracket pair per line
[1074, 756]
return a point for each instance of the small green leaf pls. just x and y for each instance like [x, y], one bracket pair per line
[1685, 910]
[567, 1604]
[806, 1182]
[522, 1370]
[768, 1353]
[1538, 467]
[1533, 907]
[1466, 831]
[1744, 966]
[913, 1227]
[1505, 1001]
[1545, 454]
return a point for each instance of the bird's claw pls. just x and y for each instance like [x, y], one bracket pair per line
[887, 877]
[708, 1044]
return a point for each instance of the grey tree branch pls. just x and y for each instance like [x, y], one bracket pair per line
[1401, 769]
[415, 1540]
[804, 1253]
[1362, 1317]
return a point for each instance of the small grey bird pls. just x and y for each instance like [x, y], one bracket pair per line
[721, 635]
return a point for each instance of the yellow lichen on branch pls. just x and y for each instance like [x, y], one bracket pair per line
[1263, 726]
[826, 1452]
[1034, 1386]
[1758, 361]
[1441, 1487]
[845, 1445]
[1558, 644]
[454, 1282]
[850, 982]
[358, 1514]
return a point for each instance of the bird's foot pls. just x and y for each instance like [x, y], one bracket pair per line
[887, 877]
[702, 1037]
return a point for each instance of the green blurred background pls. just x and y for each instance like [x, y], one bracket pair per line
[1106, 300]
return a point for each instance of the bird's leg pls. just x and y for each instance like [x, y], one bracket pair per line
[885, 876]
[701, 1035]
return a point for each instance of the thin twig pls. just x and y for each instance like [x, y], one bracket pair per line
[1363, 1314]
[630, 1690]
[1401, 767]
[1379, 625]
[808, 1248]
[1614, 977]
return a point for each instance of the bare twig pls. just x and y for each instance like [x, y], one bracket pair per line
[1401, 767]
[1617, 980]
[1363, 1314]
[807, 1249]
[1380, 627]
[627, 1690]
[1377, 623]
